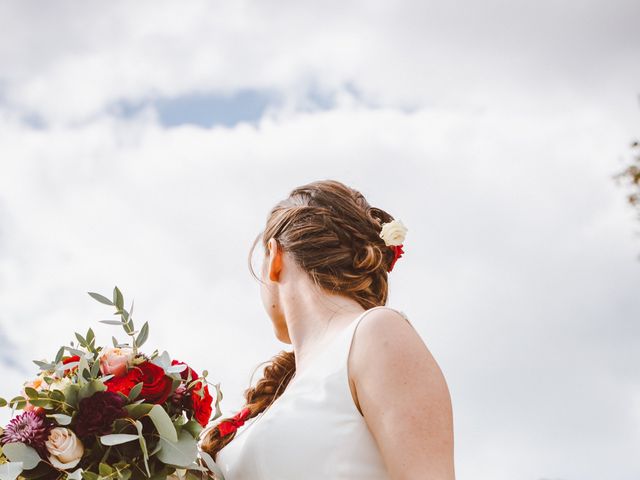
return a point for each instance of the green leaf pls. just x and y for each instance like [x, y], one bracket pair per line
[90, 475]
[135, 391]
[44, 365]
[111, 322]
[163, 423]
[144, 334]
[181, 453]
[118, 299]
[138, 410]
[193, 427]
[19, 452]
[75, 475]
[60, 418]
[3, 402]
[91, 337]
[117, 438]
[90, 388]
[59, 355]
[95, 369]
[71, 394]
[42, 402]
[143, 447]
[81, 339]
[100, 298]
[106, 470]
[10, 470]
[217, 401]
[57, 395]
[18, 402]
[31, 392]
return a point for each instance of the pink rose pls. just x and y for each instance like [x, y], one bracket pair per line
[115, 361]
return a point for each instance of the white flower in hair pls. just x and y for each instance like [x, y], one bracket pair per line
[393, 233]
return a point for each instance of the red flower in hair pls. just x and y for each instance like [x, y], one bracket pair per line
[397, 253]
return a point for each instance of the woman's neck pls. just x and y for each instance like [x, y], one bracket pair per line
[314, 318]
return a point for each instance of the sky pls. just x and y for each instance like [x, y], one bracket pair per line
[142, 145]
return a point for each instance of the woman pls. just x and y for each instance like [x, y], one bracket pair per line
[360, 396]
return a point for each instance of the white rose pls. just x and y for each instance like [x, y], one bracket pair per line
[393, 232]
[65, 449]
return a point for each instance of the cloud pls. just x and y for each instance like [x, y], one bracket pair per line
[143, 146]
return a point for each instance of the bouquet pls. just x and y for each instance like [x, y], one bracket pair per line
[98, 413]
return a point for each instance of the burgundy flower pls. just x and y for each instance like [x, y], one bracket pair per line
[97, 413]
[31, 428]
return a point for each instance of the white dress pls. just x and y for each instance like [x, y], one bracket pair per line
[312, 431]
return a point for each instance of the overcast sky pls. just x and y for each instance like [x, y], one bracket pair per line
[143, 143]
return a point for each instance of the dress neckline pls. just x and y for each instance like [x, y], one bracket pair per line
[328, 346]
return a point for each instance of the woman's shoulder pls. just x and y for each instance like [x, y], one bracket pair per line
[385, 340]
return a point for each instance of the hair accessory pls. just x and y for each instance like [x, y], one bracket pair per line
[231, 425]
[393, 233]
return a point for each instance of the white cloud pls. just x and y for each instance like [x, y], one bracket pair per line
[493, 148]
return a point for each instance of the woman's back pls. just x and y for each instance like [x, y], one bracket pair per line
[312, 431]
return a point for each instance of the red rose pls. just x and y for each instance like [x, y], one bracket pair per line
[156, 385]
[72, 359]
[201, 406]
[124, 383]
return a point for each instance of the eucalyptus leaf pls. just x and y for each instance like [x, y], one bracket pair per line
[18, 402]
[181, 453]
[95, 369]
[144, 334]
[75, 475]
[135, 391]
[44, 365]
[19, 452]
[138, 410]
[217, 401]
[61, 418]
[117, 438]
[59, 355]
[91, 337]
[81, 339]
[163, 423]
[71, 394]
[100, 298]
[212, 465]
[86, 475]
[194, 428]
[111, 322]
[10, 470]
[42, 402]
[31, 392]
[90, 388]
[118, 299]
[3, 402]
[143, 447]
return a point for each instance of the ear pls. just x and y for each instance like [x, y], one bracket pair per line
[274, 261]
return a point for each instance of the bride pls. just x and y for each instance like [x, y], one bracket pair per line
[360, 396]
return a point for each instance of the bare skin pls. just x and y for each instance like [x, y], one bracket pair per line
[413, 427]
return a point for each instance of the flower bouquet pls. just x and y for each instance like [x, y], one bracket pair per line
[97, 413]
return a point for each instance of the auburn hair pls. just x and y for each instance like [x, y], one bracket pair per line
[334, 235]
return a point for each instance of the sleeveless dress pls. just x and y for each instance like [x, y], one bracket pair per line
[312, 431]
